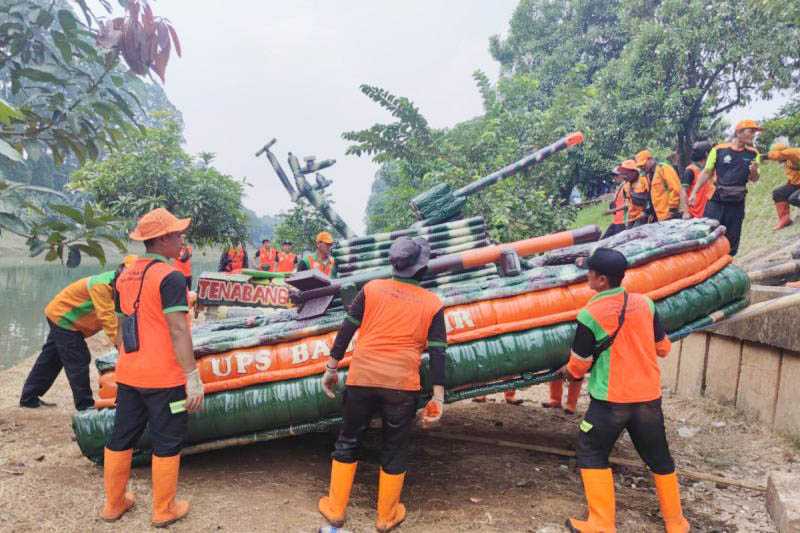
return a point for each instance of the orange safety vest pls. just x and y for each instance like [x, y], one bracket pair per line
[154, 365]
[286, 261]
[326, 267]
[392, 336]
[236, 256]
[619, 201]
[184, 267]
[703, 195]
[665, 190]
[640, 187]
[266, 256]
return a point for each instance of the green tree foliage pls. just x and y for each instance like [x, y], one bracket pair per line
[301, 224]
[151, 170]
[260, 227]
[64, 100]
[786, 123]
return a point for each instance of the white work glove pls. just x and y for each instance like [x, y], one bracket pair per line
[194, 392]
[329, 381]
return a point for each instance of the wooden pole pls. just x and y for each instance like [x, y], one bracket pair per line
[690, 474]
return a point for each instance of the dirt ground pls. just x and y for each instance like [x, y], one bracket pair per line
[47, 485]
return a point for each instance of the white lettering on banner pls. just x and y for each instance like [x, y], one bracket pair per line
[300, 354]
[216, 362]
[243, 359]
[458, 319]
[320, 349]
[263, 360]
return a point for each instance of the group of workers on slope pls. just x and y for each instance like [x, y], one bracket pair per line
[714, 185]
[270, 259]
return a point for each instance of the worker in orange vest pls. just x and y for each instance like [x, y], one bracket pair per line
[234, 258]
[267, 256]
[397, 320]
[618, 207]
[620, 338]
[666, 193]
[322, 260]
[155, 368]
[287, 260]
[637, 192]
[788, 194]
[183, 263]
[699, 155]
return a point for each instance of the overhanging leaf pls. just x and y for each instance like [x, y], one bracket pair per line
[9, 151]
[68, 211]
[13, 223]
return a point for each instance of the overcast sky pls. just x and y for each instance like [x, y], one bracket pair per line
[291, 70]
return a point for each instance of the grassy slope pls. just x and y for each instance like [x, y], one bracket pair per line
[758, 237]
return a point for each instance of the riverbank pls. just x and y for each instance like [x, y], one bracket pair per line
[47, 485]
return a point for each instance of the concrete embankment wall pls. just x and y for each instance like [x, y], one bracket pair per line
[753, 364]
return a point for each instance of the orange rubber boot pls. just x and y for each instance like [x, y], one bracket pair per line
[556, 390]
[598, 484]
[782, 208]
[573, 392]
[511, 397]
[669, 500]
[334, 505]
[166, 509]
[116, 471]
[390, 511]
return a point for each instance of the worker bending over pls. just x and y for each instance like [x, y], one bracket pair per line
[666, 194]
[619, 338]
[156, 367]
[397, 319]
[79, 311]
[322, 260]
[788, 194]
[735, 164]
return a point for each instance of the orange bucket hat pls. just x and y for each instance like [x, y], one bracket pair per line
[627, 165]
[642, 157]
[747, 123]
[324, 236]
[158, 222]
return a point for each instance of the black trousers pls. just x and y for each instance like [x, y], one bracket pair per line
[188, 282]
[63, 349]
[138, 408]
[787, 193]
[397, 409]
[604, 423]
[730, 215]
[612, 230]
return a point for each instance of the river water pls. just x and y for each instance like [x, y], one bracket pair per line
[25, 290]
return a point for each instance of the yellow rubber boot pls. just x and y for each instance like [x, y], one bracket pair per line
[669, 499]
[390, 511]
[166, 509]
[116, 471]
[598, 484]
[556, 390]
[334, 506]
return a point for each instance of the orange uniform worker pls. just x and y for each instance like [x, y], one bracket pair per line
[666, 194]
[287, 260]
[788, 194]
[156, 367]
[699, 155]
[734, 164]
[183, 263]
[637, 191]
[396, 320]
[267, 256]
[234, 259]
[618, 207]
[322, 260]
[620, 338]
[79, 311]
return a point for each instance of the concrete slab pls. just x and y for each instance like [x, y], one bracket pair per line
[787, 410]
[758, 381]
[669, 367]
[783, 501]
[692, 365]
[722, 368]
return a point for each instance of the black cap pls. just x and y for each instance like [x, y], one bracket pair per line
[608, 262]
[409, 256]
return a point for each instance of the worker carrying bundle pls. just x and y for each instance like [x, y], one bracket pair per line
[788, 194]
[619, 338]
[397, 319]
[666, 194]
